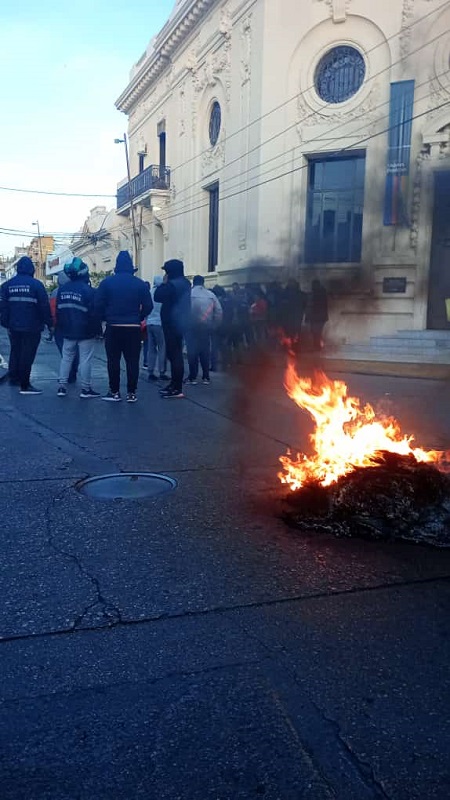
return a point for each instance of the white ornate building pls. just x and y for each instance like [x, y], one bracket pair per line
[290, 133]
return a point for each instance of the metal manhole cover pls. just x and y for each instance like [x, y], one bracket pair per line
[127, 486]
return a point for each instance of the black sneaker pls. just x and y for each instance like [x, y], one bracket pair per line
[171, 394]
[206, 381]
[87, 393]
[165, 388]
[113, 397]
[30, 390]
[131, 397]
[152, 378]
[145, 366]
[191, 381]
[62, 391]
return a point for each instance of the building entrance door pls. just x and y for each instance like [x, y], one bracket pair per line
[439, 276]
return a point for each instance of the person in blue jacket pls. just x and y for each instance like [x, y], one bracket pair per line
[123, 301]
[25, 311]
[79, 324]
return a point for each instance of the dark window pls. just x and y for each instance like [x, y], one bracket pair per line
[213, 244]
[335, 205]
[339, 75]
[215, 122]
[162, 149]
[141, 162]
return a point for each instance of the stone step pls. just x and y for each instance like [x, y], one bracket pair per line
[405, 343]
[428, 334]
[361, 353]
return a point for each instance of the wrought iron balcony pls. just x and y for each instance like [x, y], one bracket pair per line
[154, 178]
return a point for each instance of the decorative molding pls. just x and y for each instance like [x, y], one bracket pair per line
[405, 28]
[366, 110]
[435, 150]
[182, 107]
[213, 159]
[246, 49]
[217, 65]
[166, 44]
[338, 9]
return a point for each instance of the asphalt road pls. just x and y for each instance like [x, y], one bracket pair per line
[192, 646]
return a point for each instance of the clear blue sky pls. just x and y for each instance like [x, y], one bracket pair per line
[63, 65]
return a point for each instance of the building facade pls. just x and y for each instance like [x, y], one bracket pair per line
[305, 138]
[38, 250]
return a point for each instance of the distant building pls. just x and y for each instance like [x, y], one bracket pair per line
[313, 135]
[56, 260]
[101, 237]
[38, 250]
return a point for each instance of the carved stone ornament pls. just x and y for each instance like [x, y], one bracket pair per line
[214, 158]
[406, 30]
[440, 149]
[246, 49]
[365, 111]
[216, 65]
[338, 9]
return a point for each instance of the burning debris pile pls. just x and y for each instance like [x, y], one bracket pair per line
[365, 478]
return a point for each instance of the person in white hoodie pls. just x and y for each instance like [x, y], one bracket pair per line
[206, 317]
[155, 338]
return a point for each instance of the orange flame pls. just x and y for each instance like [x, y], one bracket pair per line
[346, 435]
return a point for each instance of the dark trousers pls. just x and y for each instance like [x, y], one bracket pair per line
[123, 341]
[174, 352]
[198, 349]
[24, 347]
[59, 339]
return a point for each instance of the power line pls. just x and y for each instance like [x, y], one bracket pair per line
[330, 153]
[304, 119]
[239, 130]
[311, 87]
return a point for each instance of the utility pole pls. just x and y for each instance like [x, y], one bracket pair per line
[40, 244]
[133, 221]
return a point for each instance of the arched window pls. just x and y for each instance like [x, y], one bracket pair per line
[339, 74]
[215, 121]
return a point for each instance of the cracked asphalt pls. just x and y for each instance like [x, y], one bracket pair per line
[192, 646]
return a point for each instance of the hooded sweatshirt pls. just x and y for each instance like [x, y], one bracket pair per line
[154, 318]
[75, 309]
[123, 299]
[62, 279]
[24, 301]
[175, 298]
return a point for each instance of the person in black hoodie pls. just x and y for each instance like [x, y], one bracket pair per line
[175, 296]
[25, 310]
[123, 301]
[79, 325]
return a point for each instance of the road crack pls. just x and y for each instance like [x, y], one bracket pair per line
[99, 613]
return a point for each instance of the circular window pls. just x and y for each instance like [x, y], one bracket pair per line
[339, 74]
[215, 121]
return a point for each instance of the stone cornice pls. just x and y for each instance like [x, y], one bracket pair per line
[172, 35]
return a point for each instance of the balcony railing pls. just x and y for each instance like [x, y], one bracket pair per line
[154, 177]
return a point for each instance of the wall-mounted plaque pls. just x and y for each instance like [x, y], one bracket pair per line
[394, 285]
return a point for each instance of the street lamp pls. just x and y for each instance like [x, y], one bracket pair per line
[39, 240]
[133, 222]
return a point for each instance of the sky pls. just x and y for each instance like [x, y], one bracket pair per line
[63, 66]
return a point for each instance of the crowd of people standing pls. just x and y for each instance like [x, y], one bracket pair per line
[214, 326]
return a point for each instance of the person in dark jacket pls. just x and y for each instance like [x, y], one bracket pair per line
[174, 294]
[62, 279]
[317, 313]
[25, 311]
[292, 311]
[79, 325]
[123, 301]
